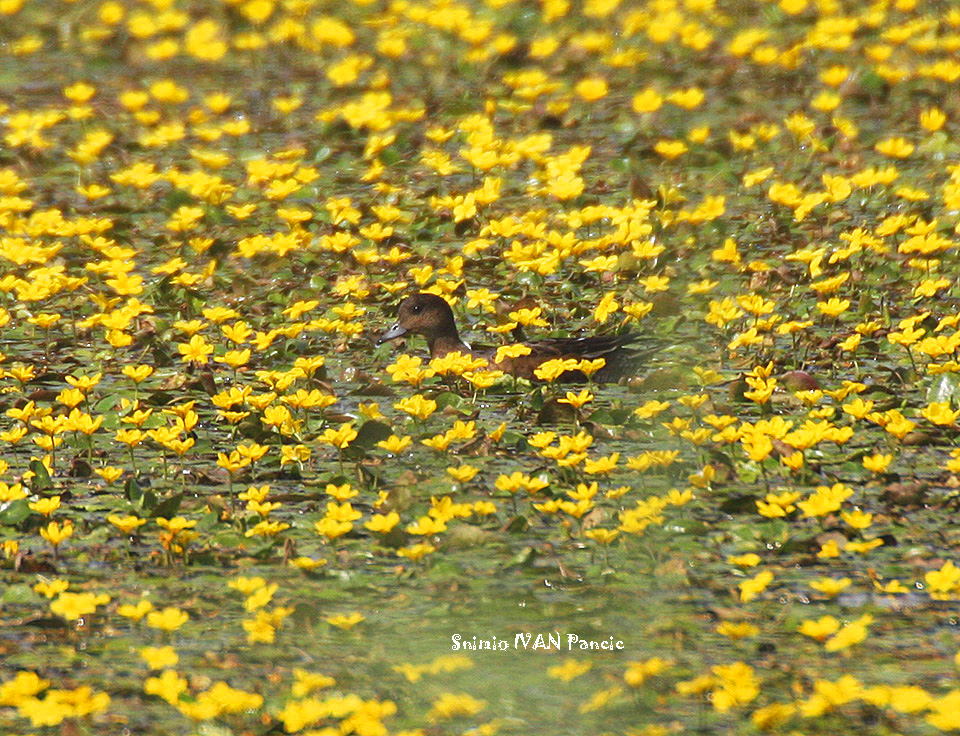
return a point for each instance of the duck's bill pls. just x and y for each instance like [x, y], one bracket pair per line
[392, 334]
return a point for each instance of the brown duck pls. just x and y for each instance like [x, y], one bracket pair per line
[430, 315]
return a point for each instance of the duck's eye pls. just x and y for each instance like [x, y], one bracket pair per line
[416, 309]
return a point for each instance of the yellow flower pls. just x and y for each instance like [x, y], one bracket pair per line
[649, 100]
[332, 528]
[735, 684]
[686, 98]
[772, 511]
[831, 587]
[342, 512]
[894, 147]
[417, 551]
[528, 317]
[670, 149]
[260, 597]
[591, 88]
[109, 473]
[742, 630]
[752, 178]
[932, 119]
[851, 343]
[747, 560]
[828, 550]
[517, 481]
[169, 619]
[858, 408]
[758, 447]
[551, 370]
[394, 444]
[821, 628]
[727, 254]
[602, 536]
[607, 305]
[863, 547]
[307, 563]
[126, 524]
[158, 658]
[825, 101]
[56, 533]
[135, 612]
[457, 363]
[939, 413]
[638, 672]
[462, 473]
[589, 367]
[168, 686]
[383, 523]
[577, 400]
[341, 437]
[569, 670]
[44, 321]
[752, 587]
[602, 465]
[345, 622]
[449, 705]
[834, 76]
[697, 685]
[175, 524]
[770, 717]
[417, 406]
[833, 307]
[45, 506]
[73, 606]
[852, 633]
[307, 682]
[824, 500]
[196, 351]
[52, 588]
[80, 92]
[856, 519]
[943, 581]
[426, 526]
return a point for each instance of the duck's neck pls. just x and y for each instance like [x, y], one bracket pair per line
[440, 345]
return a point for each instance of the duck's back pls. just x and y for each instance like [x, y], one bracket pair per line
[621, 360]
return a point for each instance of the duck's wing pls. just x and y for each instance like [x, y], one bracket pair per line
[625, 354]
[591, 347]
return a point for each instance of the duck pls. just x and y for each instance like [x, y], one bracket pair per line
[430, 316]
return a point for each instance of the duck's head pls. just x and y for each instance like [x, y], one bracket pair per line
[422, 314]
